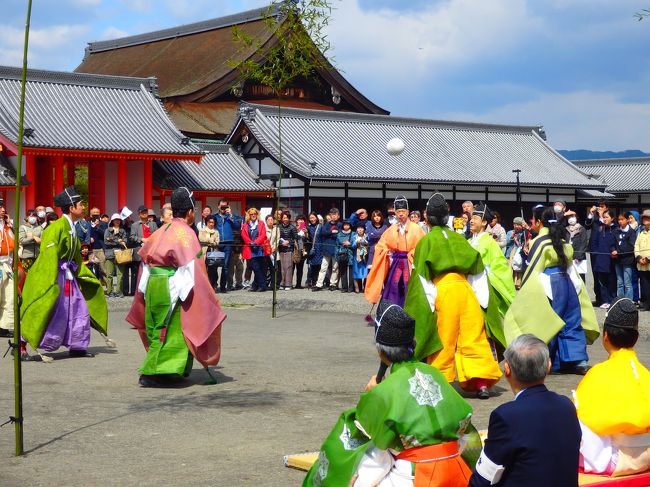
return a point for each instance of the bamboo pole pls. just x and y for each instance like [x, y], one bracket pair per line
[18, 373]
[277, 206]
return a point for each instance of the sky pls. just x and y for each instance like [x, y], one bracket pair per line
[580, 68]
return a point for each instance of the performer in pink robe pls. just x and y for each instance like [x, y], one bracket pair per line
[175, 309]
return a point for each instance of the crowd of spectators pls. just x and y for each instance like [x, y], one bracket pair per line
[315, 252]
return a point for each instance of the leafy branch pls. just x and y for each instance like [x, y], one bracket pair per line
[644, 13]
[297, 49]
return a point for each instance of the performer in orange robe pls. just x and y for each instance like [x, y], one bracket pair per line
[393, 260]
[181, 314]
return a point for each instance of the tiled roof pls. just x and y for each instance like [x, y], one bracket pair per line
[339, 145]
[7, 172]
[89, 112]
[194, 62]
[221, 169]
[623, 175]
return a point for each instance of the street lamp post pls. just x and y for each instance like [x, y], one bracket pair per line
[521, 209]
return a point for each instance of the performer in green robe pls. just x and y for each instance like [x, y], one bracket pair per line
[447, 297]
[175, 309]
[403, 428]
[499, 274]
[553, 303]
[61, 297]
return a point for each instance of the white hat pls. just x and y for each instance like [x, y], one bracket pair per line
[125, 213]
[116, 216]
[49, 209]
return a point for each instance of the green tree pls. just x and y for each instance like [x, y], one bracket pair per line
[298, 49]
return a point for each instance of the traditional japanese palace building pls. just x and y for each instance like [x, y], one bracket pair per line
[197, 83]
[338, 158]
[116, 129]
[627, 179]
[147, 119]
[113, 126]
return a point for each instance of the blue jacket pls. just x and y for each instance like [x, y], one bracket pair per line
[328, 239]
[355, 220]
[602, 242]
[227, 225]
[82, 227]
[340, 248]
[314, 257]
[535, 438]
[97, 234]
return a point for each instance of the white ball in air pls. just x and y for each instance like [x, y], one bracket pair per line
[395, 146]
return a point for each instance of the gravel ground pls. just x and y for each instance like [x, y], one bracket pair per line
[281, 385]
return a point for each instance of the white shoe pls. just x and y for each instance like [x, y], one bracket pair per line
[246, 284]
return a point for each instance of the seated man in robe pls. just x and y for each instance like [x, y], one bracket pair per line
[404, 429]
[613, 401]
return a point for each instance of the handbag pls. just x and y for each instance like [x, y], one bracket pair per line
[215, 258]
[312, 250]
[297, 255]
[342, 257]
[123, 256]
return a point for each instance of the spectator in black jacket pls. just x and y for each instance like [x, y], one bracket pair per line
[594, 217]
[328, 233]
[286, 244]
[577, 237]
[602, 248]
[624, 261]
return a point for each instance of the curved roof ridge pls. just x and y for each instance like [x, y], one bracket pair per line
[213, 147]
[181, 30]
[612, 161]
[270, 110]
[81, 79]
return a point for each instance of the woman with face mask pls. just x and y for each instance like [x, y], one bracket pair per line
[29, 235]
[577, 237]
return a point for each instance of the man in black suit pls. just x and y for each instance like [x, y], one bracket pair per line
[533, 441]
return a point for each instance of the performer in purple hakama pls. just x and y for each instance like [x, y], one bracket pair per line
[62, 298]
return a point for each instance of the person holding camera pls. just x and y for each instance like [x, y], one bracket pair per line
[593, 222]
[227, 224]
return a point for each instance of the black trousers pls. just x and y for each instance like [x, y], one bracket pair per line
[644, 277]
[300, 267]
[345, 277]
[130, 278]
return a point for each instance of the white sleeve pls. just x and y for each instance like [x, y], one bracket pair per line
[375, 465]
[182, 282]
[430, 291]
[596, 452]
[481, 287]
[545, 279]
[144, 278]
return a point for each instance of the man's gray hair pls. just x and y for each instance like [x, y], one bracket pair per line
[528, 358]
[398, 353]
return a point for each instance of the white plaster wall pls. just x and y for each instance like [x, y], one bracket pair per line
[134, 185]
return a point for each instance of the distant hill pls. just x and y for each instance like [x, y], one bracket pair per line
[582, 154]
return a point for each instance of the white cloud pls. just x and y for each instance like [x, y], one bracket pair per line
[577, 120]
[388, 44]
[49, 47]
[112, 33]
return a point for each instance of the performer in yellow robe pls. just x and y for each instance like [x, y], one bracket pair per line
[391, 265]
[446, 296]
[613, 401]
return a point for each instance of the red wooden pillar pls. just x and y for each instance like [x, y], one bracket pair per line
[148, 183]
[121, 183]
[58, 174]
[30, 175]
